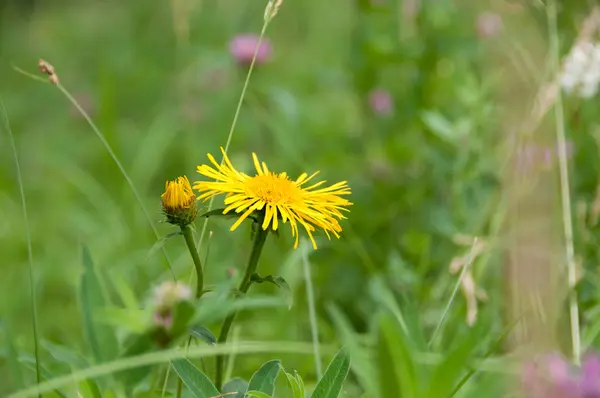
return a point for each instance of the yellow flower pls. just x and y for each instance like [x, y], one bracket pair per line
[179, 202]
[277, 196]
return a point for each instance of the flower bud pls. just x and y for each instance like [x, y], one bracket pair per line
[179, 202]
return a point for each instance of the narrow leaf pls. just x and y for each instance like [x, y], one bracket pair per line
[295, 384]
[331, 383]
[197, 382]
[204, 334]
[13, 355]
[101, 338]
[161, 242]
[278, 281]
[264, 378]
[396, 367]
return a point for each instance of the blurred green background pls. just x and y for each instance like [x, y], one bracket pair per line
[427, 175]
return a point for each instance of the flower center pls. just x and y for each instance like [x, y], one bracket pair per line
[275, 189]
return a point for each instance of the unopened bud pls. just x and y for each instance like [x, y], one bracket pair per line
[179, 202]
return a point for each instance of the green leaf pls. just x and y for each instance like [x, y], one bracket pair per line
[101, 338]
[196, 381]
[130, 320]
[331, 383]
[204, 334]
[396, 368]
[66, 355]
[219, 213]
[183, 313]
[236, 385]
[264, 378]
[278, 281]
[362, 364]
[296, 383]
[257, 394]
[124, 291]
[136, 345]
[447, 373]
[440, 126]
[161, 242]
[13, 355]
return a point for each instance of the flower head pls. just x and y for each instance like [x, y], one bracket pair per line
[581, 70]
[166, 297]
[590, 376]
[179, 202]
[381, 102]
[242, 47]
[276, 197]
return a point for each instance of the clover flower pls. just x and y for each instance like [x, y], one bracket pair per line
[243, 46]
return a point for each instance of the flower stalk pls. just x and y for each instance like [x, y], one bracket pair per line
[260, 237]
[186, 231]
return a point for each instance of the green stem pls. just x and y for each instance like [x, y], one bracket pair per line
[189, 240]
[259, 241]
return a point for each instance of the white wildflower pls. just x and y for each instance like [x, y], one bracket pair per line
[169, 293]
[581, 70]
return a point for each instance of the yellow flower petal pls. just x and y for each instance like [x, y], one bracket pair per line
[277, 196]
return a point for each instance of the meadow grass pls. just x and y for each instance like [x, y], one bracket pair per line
[469, 250]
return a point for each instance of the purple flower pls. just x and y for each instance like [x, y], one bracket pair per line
[590, 377]
[381, 102]
[551, 376]
[243, 46]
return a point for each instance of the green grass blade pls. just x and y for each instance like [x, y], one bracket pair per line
[197, 382]
[13, 356]
[331, 383]
[128, 179]
[101, 338]
[397, 373]
[139, 361]
[34, 320]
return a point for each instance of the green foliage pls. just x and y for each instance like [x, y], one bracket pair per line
[196, 381]
[447, 161]
[264, 379]
[331, 383]
[101, 339]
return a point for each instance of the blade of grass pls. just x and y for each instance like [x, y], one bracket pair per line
[312, 315]
[247, 347]
[34, 320]
[114, 157]
[564, 186]
[112, 154]
[453, 295]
